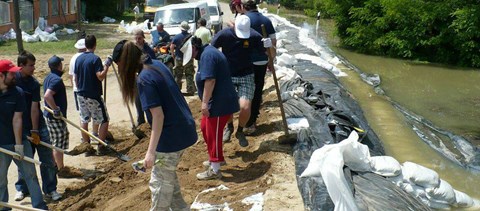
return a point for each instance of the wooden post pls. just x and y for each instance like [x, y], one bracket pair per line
[79, 16]
[18, 31]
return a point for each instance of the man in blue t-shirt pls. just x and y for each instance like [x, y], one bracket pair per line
[12, 104]
[179, 69]
[219, 102]
[238, 45]
[160, 36]
[90, 73]
[35, 128]
[259, 59]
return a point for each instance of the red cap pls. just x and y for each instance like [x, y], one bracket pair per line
[8, 66]
[235, 2]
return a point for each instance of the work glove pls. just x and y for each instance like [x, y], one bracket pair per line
[57, 114]
[34, 137]
[108, 61]
[267, 42]
[19, 151]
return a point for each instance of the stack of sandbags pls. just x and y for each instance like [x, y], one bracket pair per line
[422, 183]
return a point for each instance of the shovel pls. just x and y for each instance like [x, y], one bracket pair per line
[15, 155]
[50, 146]
[140, 134]
[14, 206]
[119, 155]
[286, 138]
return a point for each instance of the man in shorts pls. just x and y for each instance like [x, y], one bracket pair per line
[90, 72]
[237, 45]
[56, 99]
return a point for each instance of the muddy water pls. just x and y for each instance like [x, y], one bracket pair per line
[449, 97]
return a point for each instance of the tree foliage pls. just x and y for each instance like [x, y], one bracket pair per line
[445, 31]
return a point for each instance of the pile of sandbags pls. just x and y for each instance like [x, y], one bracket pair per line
[423, 183]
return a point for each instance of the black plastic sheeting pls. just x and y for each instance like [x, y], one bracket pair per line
[332, 114]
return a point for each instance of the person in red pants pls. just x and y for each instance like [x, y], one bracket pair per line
[219, 102]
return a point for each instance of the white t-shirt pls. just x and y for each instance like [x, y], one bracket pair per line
[71, 69]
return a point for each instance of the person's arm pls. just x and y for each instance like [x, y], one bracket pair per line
[207, 95]
[157, 127]
[35, 115]
[274, 46]
[102, 74]
[172, 49]
[48, 97]
[17, 127]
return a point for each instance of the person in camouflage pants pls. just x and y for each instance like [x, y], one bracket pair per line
[179, 69]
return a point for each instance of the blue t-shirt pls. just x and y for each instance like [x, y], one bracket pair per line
[158, 37]
[31, 89]
[214, 65]
[159, 89]
[256, 21]
[149, 51]
[86, 67]
[54, 82]
[178, 41]
[238, 51]
[10, 102]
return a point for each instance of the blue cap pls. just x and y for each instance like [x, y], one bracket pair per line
[54, 61]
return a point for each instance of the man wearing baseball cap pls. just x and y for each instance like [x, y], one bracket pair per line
[80, 46]
[237, 45]
[179, 69]
[12, 102]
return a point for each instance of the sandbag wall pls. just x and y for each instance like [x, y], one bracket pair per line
[332, 114]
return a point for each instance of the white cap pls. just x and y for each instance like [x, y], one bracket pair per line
[242, 27]
[80, 44]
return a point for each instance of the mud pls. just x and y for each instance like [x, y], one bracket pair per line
[84, 147]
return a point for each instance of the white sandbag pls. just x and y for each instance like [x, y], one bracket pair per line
[286, 60]
[70, 31]
[285, 73]
[48, 38]
[10, 35]
[30, 38]
[443, 193]
[385, 165]
[397, 180]
[297, 124]
[107, 19]
[414, 190]
[420, 175]
[462, 199]
[40, 31]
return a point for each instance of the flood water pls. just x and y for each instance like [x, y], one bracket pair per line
[448, 97]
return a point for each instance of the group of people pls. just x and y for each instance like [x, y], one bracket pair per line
[26, 130]
[229, 79]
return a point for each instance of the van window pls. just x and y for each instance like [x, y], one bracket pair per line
[155, 3]
[213, 10]
[176, 16]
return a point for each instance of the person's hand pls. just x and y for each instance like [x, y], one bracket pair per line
[205, 111]
[34, 137]
[108, 61]
[57, 114]
[149, 160]
[19, 151]
[267, 42]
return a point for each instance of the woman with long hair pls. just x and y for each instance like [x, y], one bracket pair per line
[173, 127]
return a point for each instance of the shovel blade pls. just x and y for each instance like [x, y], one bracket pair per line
[123, 157]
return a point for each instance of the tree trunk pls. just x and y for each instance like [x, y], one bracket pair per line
[18, 31]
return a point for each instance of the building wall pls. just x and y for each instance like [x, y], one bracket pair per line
[57, 19]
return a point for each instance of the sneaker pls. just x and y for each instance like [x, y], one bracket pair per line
[250, 130]
[206, 163]
[227, 134]
[209, 174]
[242, 140]
[19, 196]
[54, 195]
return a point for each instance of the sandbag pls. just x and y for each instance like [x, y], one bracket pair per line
[462, 199]
[48, 38]
[434, 204]
[443, 193]
[413, 189]
[420, 175]
[385, 165]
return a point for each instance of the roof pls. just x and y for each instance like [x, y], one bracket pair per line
[182, 5]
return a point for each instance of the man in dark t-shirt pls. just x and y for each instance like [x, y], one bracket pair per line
[90, 73]
[12, 104]
[179, 69]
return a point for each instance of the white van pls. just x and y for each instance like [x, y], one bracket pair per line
[172, 15]
[216, 15]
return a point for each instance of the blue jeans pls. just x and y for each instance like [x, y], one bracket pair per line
[49, 174]
[28, 170]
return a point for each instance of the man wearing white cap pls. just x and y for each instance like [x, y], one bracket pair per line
[237, 45]
[80, 46]
[180, 68]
